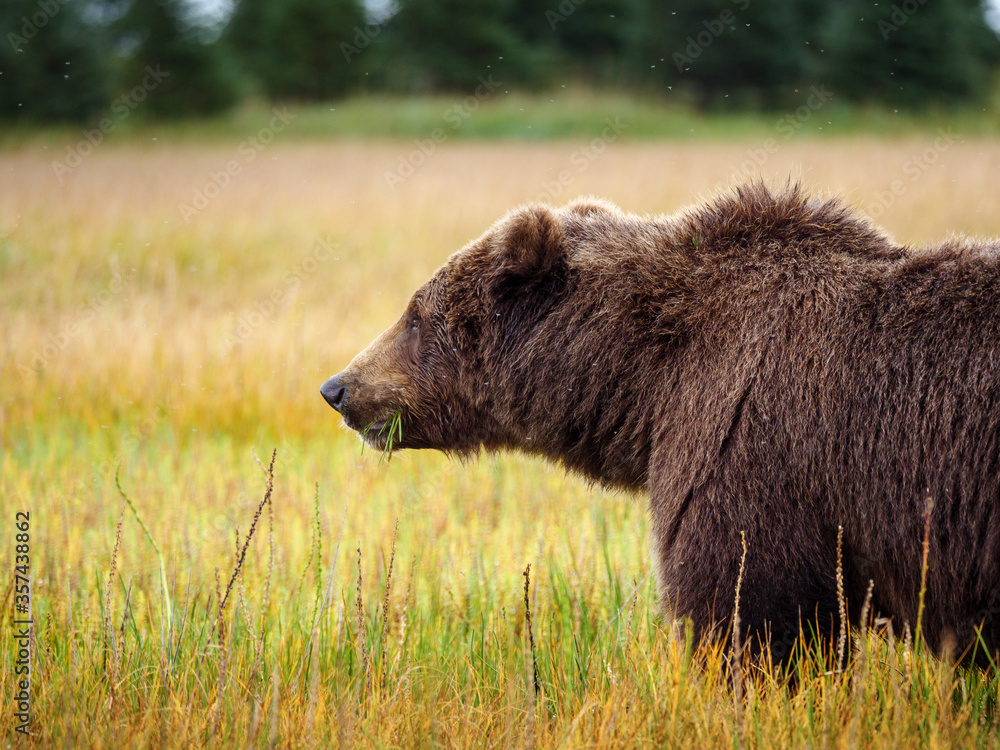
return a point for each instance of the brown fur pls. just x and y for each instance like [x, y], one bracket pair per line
[767, 364]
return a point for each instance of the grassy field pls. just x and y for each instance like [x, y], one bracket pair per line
[165, 336]
[492, 111]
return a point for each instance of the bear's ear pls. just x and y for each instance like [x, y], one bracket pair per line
[531, 242]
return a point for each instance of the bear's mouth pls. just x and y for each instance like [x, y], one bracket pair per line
[384, 434]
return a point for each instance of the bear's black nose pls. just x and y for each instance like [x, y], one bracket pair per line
[334, 391]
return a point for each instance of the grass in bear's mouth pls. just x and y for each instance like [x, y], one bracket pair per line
[391, 429]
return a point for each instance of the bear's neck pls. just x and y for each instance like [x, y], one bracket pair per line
[582, 390]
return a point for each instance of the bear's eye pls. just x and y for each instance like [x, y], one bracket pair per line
[414, 323]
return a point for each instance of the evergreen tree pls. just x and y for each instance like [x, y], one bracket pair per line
[198, 76]
[250, 28]
[295, 48]
[250, 36]
[735, 53]
[913, 53]
[53, 63]
[308, 35]
[56, 61]
[597, 38]
[452, 44]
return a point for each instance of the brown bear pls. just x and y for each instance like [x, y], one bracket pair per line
[768, 364]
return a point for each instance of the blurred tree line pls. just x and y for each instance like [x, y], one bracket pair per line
[71, 59]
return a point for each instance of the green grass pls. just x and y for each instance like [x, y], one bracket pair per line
[391, 432]
[409, 637]
[563, 113]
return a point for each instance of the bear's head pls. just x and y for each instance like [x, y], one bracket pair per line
[439, 377]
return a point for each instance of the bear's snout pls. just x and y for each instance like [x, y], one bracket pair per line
[334, 391]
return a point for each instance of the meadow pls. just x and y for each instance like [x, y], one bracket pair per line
[335, 598]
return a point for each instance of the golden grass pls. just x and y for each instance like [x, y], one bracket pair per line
[133, 338]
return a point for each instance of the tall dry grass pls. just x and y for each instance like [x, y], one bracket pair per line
[135, 341]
